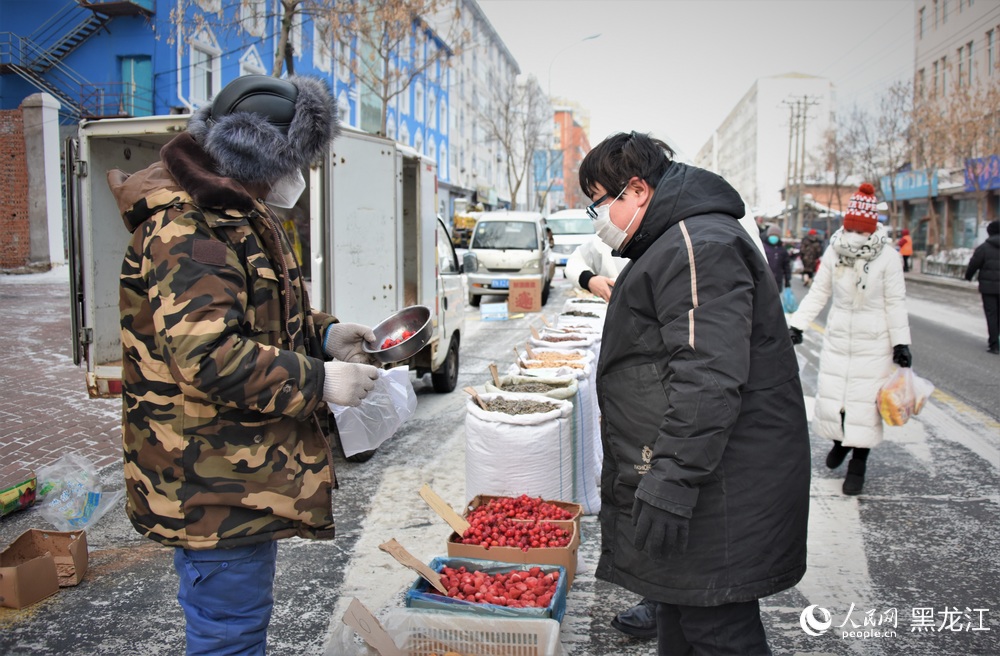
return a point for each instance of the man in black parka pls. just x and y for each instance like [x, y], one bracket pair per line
[986, 263]
[705, 483]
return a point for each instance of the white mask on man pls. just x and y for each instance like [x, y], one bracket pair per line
[608, 232]
[286, 191]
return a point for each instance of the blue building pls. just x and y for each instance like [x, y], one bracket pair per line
[120, 58]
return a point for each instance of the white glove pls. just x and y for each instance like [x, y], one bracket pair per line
[344, 340]
[347, 383]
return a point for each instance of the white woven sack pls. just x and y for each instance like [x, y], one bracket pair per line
[586, 356]
[510, 455]
[566, 391]
[580, 340]
[590, 342]
[585, 305]
[577, 323]
[588, 453]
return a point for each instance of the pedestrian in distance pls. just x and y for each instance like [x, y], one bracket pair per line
[778, 259]
[594, 268]
[811, 251]
[225, 366]
[985, 261]
[705, 479]
[867, 331]
[905, 246]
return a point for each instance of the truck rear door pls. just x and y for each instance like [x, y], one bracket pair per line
[363, 272]
[98, 237]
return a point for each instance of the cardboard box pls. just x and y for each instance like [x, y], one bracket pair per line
[563, 556]
[525, 295]
[575, 509]
[38, 563]
[493, 312]
[420, 595]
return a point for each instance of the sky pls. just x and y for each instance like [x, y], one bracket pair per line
[676, 68]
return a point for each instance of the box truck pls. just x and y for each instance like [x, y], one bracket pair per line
[366, 231]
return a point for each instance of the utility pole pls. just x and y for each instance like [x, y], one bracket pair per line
[788, 168]
[798, 118]
[803, 117]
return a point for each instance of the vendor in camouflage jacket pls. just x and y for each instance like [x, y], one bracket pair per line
[224, 363]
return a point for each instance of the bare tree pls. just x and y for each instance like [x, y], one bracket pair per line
[930, 138]
[973, 117]
[894, 129]
[254, 19]
[516, 116]
[386, 41]
[861, 144]
[835, 162]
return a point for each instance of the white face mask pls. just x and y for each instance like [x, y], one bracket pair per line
[855, 240]
[609, 233]
[286, 191]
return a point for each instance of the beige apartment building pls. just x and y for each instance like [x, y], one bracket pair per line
[956, 53]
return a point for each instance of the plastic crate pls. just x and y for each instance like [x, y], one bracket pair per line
[420, 596]
[420, 632]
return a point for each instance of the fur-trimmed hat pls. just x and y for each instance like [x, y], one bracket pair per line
[259, 129]
[862, 215]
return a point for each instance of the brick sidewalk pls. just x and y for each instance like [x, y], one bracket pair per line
[44, 408]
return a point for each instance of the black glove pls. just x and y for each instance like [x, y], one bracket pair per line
[658, 531]
[795, 334]
[901, 355]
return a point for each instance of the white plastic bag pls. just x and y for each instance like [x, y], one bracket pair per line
[71, 494]
[383, 411]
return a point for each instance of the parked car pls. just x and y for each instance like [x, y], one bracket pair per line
[570, 228]
[507, 245]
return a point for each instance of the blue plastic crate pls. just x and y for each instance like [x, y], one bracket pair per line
[420, 596]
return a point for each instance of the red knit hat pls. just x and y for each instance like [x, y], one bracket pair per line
[861, 214]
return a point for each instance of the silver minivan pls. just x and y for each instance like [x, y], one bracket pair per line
[507, 245]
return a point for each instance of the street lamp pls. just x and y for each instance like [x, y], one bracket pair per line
[548, 90]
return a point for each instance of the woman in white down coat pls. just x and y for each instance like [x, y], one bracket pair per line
[867, 330]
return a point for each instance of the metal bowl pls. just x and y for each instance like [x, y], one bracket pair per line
[416, 318]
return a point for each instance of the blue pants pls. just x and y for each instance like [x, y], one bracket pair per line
[227, 597]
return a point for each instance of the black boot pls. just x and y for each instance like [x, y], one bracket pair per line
[638, 621]
[837, 454]
[855, 480]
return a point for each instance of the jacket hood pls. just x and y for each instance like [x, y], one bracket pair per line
[184, 169]
[251, 149]
[993, 240]
[683, 192]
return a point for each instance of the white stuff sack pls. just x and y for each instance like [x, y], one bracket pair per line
[577, 356]
[510, 455]
[565, 392]
[596, 306]
[381, 413]
[588, 453]
[580, 340]
[578, 324]
[583, 339]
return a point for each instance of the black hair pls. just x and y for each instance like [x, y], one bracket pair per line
[621, 157]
